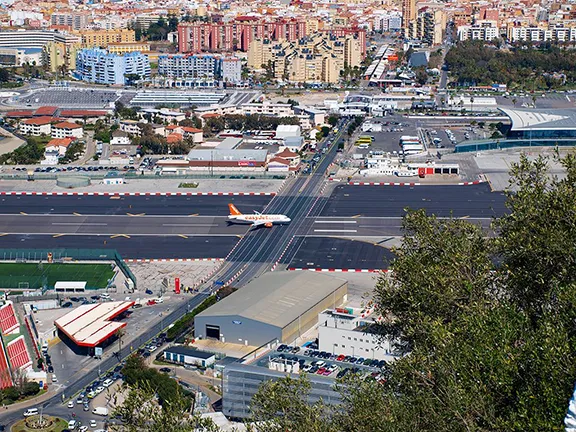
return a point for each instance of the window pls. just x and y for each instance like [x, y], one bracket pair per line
[343, 346]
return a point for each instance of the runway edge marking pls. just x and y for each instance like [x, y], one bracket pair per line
[20, 193]
[335, 270]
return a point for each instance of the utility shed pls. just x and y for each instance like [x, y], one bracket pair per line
[276, 306]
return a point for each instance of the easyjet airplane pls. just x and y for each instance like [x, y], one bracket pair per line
[256, 219]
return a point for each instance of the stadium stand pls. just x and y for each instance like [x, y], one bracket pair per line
[8, 322]
[18, 354]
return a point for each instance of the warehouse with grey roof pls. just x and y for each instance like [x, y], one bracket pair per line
[278, 306]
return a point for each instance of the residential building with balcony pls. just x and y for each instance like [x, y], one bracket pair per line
[100, 67]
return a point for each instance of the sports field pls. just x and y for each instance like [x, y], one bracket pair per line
[18, 275]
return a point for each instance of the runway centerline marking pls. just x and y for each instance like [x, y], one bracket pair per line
[336, 231]
[336, 222]
[80, 223]
[188, 225]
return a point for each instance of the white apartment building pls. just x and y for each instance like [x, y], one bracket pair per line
[268, 109]
[388, 22]
[67, 129]
[342, 331]
[131, 127]
[539, 34]
[36, 126]
[482, 30]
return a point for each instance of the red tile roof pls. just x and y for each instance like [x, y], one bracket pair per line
[174, 138]
[191, 130]
[82, 113]
[280, 161]
[39, 121]
[46, 111]
[67, 125]
[60, 142]
[286, 153]
[20, 114]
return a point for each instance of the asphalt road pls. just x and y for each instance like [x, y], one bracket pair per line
[337, 253]
[475, 201]
[136, 247]
[121, 205]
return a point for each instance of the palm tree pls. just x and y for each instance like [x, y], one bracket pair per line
[120, 333]
[514, 100]
[534, 100]
[471, 104]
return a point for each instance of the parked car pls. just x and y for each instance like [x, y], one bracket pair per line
[165, 370]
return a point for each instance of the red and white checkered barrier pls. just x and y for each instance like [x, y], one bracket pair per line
[141, 193]
[335, 270]
[470, 183]
[381, 184]
[233, 278]
[282, 255]
[155, 260]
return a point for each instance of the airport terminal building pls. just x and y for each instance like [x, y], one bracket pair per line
[530, 128]
[278, 306]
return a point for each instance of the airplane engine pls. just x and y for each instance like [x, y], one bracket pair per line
[268, 224]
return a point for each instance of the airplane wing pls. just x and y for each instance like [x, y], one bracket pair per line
[259, 223]
[258, 213]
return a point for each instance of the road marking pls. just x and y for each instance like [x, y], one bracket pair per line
[336, 231]
[76, 214]
[80, 223]
[115, 197]
[136, 215]
[183, 236]
[120, 235]
[188, 225]
[195, 214]
[337, 222]
[58, 235]
[356, 216]
[465, 217]
[24, 214]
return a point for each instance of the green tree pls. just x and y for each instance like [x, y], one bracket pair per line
[487, 323]
[332, 120]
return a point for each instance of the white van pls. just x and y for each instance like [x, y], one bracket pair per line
[31, 412]
[105, 296]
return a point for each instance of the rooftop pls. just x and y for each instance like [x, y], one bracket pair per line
[90, 325]
[542, 119]
[277, 298]
[191, 352]
[225, 155]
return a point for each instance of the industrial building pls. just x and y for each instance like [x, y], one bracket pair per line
[278, 306]
[241, 382]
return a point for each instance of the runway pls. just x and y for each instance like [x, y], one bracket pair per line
[137, 247]
[122, 205]
[337, 253]
[475, 201]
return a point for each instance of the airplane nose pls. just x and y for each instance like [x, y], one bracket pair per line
[288, 219]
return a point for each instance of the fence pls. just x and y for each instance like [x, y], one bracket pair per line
[58, 255]
[135, 176]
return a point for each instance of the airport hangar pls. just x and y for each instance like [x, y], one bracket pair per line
[277, 306]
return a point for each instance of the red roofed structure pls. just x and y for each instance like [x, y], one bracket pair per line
[18, 353]
[174, 138]
[8, 322]
[5, 375]
[82, 113]
[92, 324]
[45, 111]
[20, 114]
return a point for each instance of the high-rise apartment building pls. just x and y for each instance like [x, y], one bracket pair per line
[201, 67]
[99, 66]
[408, 14]
[102, 38]
[76, 21]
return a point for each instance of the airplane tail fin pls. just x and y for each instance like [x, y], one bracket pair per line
[233, 210]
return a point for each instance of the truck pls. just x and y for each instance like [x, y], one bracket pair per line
[101, 411]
